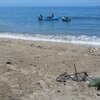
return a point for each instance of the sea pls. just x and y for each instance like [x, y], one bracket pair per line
[22, 23]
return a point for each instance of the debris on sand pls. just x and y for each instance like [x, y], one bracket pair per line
[77, 76]
[39, 46]
[8, 62]
[95, 83]
[63, 77]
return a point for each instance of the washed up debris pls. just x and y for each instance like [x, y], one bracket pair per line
[39, 46]
[77, 76]
[92, 50]
[95, 83]
[98, 94]
[8, 62]
[59, 91]
[83, 76]
[63, 77]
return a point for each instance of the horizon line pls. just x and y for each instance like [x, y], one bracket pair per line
[49, 6]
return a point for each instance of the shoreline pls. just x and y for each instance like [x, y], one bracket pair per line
[92, 41]
[49, 42]
[28, 70]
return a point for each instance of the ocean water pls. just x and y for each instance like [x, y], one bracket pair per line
[22, 23]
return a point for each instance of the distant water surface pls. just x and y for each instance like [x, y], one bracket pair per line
[21, 22]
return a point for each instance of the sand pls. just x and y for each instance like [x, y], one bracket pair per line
[28, 70]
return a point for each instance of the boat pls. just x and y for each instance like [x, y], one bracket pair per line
[52, 18]
[47, 19]
[65, 19]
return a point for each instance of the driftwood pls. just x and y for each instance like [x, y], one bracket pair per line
[77, 76]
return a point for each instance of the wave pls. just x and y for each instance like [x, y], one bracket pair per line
[83, 39]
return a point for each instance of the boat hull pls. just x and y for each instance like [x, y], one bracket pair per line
[47, 19]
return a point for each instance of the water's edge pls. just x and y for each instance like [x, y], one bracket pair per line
[82, 39]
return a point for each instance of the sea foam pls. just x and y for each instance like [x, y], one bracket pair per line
[82, 39]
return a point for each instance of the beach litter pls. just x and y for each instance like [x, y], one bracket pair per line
[8, 62]
[95, 83]
[79, 77]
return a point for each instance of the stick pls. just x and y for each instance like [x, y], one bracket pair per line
[76, 75]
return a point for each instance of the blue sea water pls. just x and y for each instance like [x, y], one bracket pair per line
[22, 23]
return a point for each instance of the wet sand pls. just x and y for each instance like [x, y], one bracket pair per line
[28, 70]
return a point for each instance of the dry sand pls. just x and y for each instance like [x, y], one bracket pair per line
[28, 70]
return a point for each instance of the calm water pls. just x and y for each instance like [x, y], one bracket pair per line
[21, 22]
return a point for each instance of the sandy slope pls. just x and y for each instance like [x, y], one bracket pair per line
[34, 66]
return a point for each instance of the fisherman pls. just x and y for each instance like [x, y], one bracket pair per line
[50, 17]
[40, 17]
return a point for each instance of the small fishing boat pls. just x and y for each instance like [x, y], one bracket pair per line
[52, 18]
[47, 19]
[65, 19]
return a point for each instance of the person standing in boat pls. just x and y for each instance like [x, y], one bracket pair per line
[52, 16]
[40, 17]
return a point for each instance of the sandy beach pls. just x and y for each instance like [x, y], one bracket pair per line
[28, 70]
